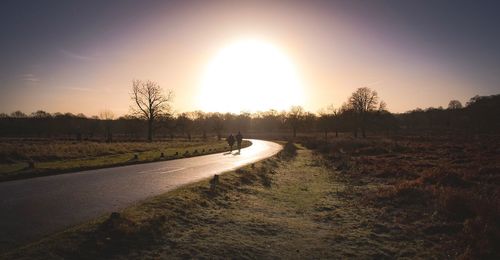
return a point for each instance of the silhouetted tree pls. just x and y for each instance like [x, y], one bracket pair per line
[200, 119]
[132, 125]
[295, 117]
[217, 122]
[347, 119]
[149, 102]
[363, 101]
[480, 116]
[267, 121]
[243, 122]
[327, 120]
[166, 125]
[483, 113]
[454, 104]
[107, 116]
[185, 124]
[18, 114]
[382, 106]
[40, 114]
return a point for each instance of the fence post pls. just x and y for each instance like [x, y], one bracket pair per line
[214, 182]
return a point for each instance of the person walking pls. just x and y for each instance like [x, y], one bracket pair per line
[230, 142]
[239, 139]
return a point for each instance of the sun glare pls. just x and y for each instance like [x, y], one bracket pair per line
[249, 75]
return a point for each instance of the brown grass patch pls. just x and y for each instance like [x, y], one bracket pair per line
[439, 184]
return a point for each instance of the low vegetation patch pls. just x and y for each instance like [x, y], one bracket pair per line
[442, 186]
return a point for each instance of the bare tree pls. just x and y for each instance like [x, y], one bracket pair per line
[185, 124]
[327, 120]
[347, 118]
[150, 102]
[454, 104]
[107, 115]
[40, 114]
[267, 121]
[295, 117]
[382, 106]
[363, 101]
[200, 120]
[18, 114]
[218, 124]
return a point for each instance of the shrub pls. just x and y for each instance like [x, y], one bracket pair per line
[289, 150]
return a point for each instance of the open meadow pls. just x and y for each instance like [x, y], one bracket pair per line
[374, 198]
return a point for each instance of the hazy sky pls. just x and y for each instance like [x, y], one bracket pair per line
[71, 56]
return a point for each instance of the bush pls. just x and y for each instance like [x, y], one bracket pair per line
[289, 150]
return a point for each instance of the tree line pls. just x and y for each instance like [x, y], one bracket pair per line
[363, 113]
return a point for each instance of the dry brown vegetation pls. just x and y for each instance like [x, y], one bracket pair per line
[445, 189]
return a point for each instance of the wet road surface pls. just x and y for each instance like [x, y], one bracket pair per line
[32, 208]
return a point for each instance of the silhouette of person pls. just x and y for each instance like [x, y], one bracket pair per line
[230, 142]
[239, 139]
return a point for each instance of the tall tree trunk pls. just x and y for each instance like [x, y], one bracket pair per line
[150, 130]
[109, 136]
[363, 125]
[326, 136]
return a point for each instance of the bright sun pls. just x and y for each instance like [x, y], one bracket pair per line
[249, 75]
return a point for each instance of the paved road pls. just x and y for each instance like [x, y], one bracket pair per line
[32, 208]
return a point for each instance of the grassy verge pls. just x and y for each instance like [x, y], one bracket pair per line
[284, 207]
[53, 157]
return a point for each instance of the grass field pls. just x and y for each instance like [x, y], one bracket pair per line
[52, 156]
[377, 198]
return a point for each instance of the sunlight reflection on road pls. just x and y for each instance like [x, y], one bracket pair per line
[34, 207]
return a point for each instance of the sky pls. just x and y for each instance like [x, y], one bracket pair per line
[81, 56]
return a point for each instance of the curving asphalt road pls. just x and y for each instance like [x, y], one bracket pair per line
[32, 208]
